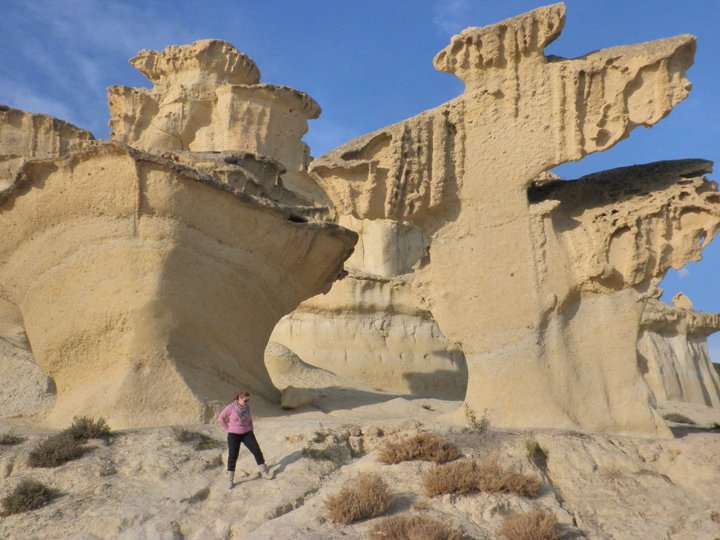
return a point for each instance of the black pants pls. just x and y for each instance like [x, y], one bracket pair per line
[248, 439]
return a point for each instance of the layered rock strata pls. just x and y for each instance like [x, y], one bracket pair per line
[149, 283]
[673, 353]
[25, 135]
[547, 343]
[207, 97]
[368, 329]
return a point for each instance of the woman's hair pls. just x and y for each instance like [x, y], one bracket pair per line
[242, 394]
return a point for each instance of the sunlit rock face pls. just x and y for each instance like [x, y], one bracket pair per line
[543, 292]
[673, 353]
[25, 135]
[149, 281]
[207, 97]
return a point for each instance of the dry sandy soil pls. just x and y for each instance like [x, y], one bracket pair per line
[144, 483]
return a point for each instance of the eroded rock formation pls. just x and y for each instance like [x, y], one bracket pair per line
[149, 284]
[544, 295]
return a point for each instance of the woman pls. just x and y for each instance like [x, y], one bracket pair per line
[237, 422]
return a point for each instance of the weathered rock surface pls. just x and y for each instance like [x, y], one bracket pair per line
[368, 329]
[539, 294]
[208, 97]
[25, 135]
[155, 292]
[673, 353]
[25, 389]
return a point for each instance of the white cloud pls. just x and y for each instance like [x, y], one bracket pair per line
[683, 272]
[450, 16]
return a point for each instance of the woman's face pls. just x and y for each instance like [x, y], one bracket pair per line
[243, 400]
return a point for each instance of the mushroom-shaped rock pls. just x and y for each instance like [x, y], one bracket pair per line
[461, 172]
[149, 290]
[207, 97]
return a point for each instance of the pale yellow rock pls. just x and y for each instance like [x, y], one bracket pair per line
[25, 389]
[682, 301]
[208, 97]
[25, 135]
[673, 353]
[539, 296]
[369, 330]
[150, 299]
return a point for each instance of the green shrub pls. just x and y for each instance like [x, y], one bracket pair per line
[423, 446]
[84, 428]
[200, 440]
[55, 450]
[28, 495]
[678, 418]
[360, 498]
[8, 439]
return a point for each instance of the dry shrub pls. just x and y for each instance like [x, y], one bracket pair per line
[8, 439]
[28, 495]
[466, 476]
[423, 446]
[55, 450]
[536, 525]
[84, 428]
[415, 527]
[457, 477]
[363, 497]
[200, 441]
[493, 477]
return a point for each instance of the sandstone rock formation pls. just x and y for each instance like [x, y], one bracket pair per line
[207, 97]
[541, 287]
[369, 330]
[149, 287]
[26, 136]
[673, 353]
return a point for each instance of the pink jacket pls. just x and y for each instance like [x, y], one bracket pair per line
[231, 421]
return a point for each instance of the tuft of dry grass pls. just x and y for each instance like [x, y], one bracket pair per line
[423, 446]
[413, 527]
[363, 497]
[465, 476]
[8, 439]
[535, 525]
[84, 428]
[55, 450]
[200, 441]
[28, 495]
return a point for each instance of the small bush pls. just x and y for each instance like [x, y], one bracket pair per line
[363, 497]
[466, 476]
[678, 418]
[55, 450]
[479, 425]
[200, 440]
[423, 446]
[458, 477]
[319, 453]
[8, 439]
[536, 525]
[28, 495]
[84, 428]
[415, 527]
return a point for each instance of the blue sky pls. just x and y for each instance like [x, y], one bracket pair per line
[368, 63]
